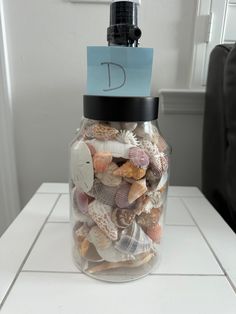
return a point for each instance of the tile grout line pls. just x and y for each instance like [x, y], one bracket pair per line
[28, 253]
[211, 249]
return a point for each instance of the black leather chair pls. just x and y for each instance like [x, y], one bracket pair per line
[219, 133]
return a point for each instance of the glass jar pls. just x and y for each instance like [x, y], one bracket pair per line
[118, 188]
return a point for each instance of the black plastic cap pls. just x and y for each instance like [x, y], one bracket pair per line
[123, 109]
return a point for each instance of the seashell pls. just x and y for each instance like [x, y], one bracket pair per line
[128, 137]
[98, 238]
[155, 233]
[111, 254]
[101, 215]
[158, 160]
[84, 218]
[134, 240]
[81, 233]
[84, 246]
[152, 179]
[129, 170]
[143, 204]
[101, 132]
[129, 125]
[80, 200]
[122, 218]
[101, 161]
[149, 219]
[121, 198]
[91, 148]
[107, 177]
[157, 198]
[81, 165]
[104, 194]
[116, 148]
[138, 157]
[163, 182]
[138, 188]
[139, 261]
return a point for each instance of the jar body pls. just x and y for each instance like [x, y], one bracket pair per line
[118, 192]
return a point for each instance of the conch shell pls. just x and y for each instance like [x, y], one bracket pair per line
[129, 170]
[138, 188]
[101, 215]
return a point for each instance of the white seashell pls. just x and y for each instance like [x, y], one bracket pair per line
[127, 137]
[82, 217]
[163, 181]
[156, 198]
[111, 254]
[98, 238]
[81, 165]
[134, 240]
[101, 215]
[107, 177]
[129, 125]
[117, 149]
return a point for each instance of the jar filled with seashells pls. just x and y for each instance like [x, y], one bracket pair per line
[119, 170]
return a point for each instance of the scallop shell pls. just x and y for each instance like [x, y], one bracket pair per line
[80, 200]
[129, 170]
[155, 233]
[138, 157]
[107, 177]
[134, 241]
[101, 161]
[128, 137]
[121, 198]
[116, 148]
[138, 188]
[122, 218]
[104, 194]
[98, 238]
[101, 132]
[101, 215]
[149, 219]
[81, 165]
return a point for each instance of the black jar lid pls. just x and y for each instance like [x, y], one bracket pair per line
[119, 108]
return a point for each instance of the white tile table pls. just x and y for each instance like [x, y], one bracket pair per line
[197, 273]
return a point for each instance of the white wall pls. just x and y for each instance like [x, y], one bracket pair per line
[47, 45]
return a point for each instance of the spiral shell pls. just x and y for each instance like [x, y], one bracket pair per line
[101, 215]
[122, 218]
[134, 241]
[107, 177]
[101, 132]
[138, 157]
[138, 188]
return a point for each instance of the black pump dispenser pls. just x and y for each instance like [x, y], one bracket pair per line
[123, 29]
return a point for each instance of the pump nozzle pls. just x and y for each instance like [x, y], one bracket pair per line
[123, 29]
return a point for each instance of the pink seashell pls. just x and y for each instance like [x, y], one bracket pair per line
[80, 200]
[138, 188]
[155, 233]
[104, 194]
[138, 157]
[101, 161]
[121, 198]
[101, 215]
[101, 132]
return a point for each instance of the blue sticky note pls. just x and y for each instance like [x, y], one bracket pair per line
[119, 71]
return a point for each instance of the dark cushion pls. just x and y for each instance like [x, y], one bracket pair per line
[219, 133]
